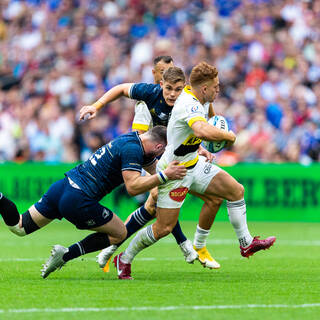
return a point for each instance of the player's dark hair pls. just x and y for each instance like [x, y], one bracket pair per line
[165, 59]
[158, 134]
[174, 75]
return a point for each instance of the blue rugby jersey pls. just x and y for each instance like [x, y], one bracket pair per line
[152, 95]
[102, 172]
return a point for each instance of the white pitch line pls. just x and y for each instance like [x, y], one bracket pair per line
[94, 259]
[168, 308]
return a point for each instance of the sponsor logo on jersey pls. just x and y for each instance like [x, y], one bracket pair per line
[163, 116]
[194, 108]
[105, 213]
[90, 223]
[178, 194]
[207, 168]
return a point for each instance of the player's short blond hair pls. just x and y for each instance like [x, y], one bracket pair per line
[174, 75]
[202, 73]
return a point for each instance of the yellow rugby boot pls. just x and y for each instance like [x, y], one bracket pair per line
[206, 259]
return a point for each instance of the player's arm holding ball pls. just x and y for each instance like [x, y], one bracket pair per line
[206, 131]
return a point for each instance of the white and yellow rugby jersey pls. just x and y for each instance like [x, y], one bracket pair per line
[182, 143]
[142, 118]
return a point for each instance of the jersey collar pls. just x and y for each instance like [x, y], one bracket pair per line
[187, 89]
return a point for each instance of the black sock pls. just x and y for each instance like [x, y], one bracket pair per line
[9, 211]
[93, 242]
[139, 218]
[178, 234]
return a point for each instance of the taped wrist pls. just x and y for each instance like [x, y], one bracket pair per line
[162, 177]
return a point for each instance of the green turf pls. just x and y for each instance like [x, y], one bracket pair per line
[288, 275]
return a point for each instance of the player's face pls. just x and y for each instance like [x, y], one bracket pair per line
[159, 69]
[156, 150]
[211, 90]
[171, 91]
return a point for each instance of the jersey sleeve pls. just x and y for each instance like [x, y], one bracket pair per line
[142, 117]
[195, 112]
[143, 91]
[131, 158]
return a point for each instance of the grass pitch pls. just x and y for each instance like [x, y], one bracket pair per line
[281, 283]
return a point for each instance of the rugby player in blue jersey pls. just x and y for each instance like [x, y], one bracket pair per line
[154, 107]
[76, 197]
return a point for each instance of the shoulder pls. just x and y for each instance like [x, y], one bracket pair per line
[189, 104]
[144, 88]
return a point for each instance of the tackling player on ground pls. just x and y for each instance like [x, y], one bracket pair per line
[76, 197]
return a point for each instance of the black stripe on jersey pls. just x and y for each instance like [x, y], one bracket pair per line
[182, 150]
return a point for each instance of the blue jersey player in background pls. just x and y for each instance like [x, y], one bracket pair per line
[76, 197]
[154, 107]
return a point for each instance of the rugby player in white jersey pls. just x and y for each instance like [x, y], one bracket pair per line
[186, 129]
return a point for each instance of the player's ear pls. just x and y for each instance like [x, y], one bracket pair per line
[204, 88]
[160, 146]
[161, 83]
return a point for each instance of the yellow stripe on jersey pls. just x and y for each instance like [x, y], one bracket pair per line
[193, 120]
[139, 126]
[187, 89]
[190, 163]
[191, 140]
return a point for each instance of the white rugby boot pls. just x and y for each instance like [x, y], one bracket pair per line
[104, 256]
[55, 261]
[190, 255]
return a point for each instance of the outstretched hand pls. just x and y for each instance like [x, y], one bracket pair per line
[175, 171]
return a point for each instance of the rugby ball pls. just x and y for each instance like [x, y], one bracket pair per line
[221, 123]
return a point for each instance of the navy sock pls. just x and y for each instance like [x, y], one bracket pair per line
[178, 234]
[139, 218]
[93, 242]
[9, 211]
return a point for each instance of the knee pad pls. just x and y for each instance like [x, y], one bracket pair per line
[17, 230]
[28, 224]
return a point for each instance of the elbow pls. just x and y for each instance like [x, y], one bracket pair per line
[132, 192]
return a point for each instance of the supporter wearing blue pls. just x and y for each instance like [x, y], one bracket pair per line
[76, 197]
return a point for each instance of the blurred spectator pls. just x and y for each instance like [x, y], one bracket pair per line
[58, 55]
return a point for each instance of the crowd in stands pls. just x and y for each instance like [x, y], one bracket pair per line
[59, 55]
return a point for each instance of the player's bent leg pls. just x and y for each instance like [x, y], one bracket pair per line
[107, 251]
[225, 186]
[150, 204]
[166, 220]
[115, 229]
[136, 220]
[24, 224]
[207, 215]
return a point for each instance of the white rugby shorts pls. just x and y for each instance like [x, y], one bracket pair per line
[173, 193]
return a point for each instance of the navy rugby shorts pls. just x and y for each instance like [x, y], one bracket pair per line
[64, 201]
